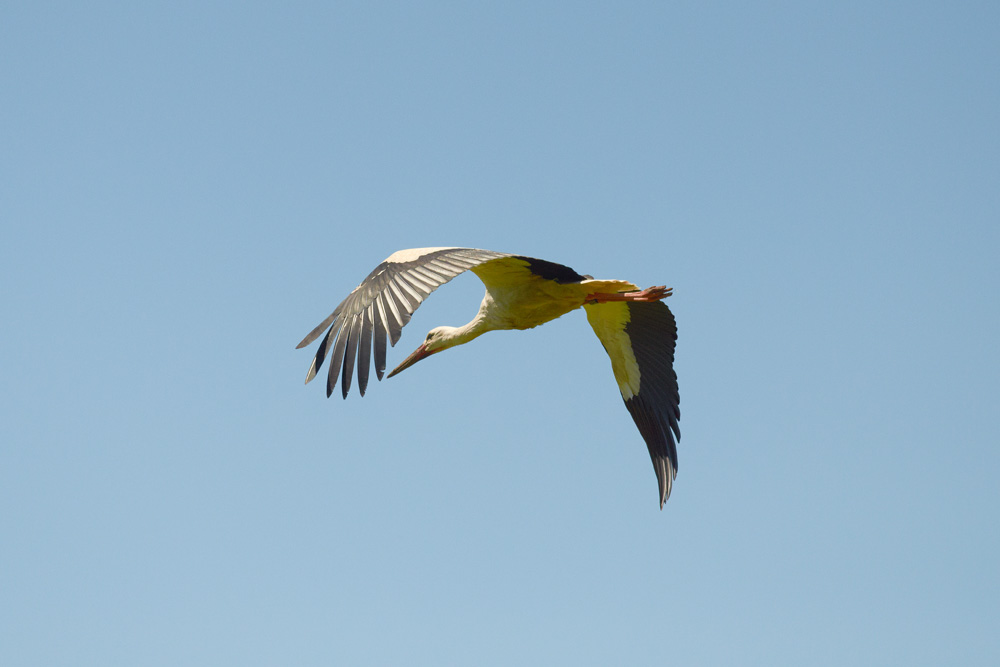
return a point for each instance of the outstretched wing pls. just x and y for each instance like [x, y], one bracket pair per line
[640, 337]
[383, 303]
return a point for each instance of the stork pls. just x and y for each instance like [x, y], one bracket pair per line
[636, 328]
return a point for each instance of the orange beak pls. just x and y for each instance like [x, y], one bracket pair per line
[418, 354]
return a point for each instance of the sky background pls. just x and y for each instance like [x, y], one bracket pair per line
[186, 189]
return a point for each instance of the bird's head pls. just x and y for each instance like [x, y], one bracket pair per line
[438, 338]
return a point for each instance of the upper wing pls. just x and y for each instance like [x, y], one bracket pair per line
[384, 302]
[640, 337]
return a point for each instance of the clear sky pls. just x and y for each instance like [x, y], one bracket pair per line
[186, 189]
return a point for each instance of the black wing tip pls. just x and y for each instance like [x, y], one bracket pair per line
[655, 428]
[666, 473]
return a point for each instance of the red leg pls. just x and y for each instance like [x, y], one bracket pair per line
[648, 294]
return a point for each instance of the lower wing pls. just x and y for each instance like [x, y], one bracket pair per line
[640, 338]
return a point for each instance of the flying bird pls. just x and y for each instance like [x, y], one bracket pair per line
[636, 328]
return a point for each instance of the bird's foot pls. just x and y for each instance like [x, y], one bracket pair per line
[651, 294]
[648, 294]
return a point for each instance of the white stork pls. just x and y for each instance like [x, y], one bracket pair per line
[636, 328]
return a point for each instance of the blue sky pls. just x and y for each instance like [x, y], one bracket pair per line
[188, 188]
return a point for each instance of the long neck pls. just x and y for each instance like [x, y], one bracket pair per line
[460, 335]
[485, 320]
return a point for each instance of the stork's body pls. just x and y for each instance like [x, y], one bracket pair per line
[636, 329]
